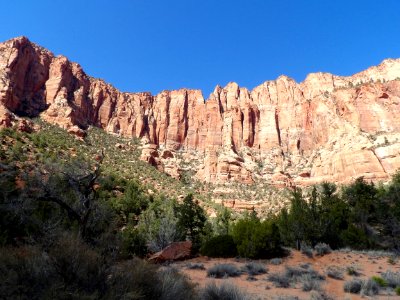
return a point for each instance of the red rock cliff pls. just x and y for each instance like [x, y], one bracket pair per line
[325, 128]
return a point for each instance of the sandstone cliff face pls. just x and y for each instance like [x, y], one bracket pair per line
[325, 128]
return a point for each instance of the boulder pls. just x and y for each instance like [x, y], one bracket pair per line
[174, 251]
[77, 132]
[25, 126]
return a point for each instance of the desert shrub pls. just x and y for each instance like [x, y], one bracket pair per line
[321, 249]
[334, 272]
[70, 269]
[306, 250]
[380, 281]
[294, 272]
[25, 273]
[275, 261]
[195, 266]
[133, 279]
[223, 270]
[286, 297]
[392, 278]
[253, 268]
[309, 283]
[158, 224]
[305, 265]
[219, 246]
[352, 271]
[353, 286]
[369, 287]
[320, 295]
[391, 260]
[222, 292]
[174, 285]
[137, 279]
[315, 274]
[297, 272]
[80, 267]
[280, 280]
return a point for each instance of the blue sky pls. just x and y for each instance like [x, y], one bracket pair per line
[146, 45]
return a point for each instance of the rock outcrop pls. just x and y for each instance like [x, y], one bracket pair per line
[326, 128]
[174, 251]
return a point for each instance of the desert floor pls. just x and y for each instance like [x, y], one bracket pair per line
[368, 264]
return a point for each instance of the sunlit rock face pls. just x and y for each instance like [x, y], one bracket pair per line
[327, 128]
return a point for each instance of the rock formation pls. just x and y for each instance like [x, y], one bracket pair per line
[174, 251]
[326, 128]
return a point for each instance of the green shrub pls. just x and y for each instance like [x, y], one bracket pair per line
[219, 246]
[133, 243]
[397, 291]
[256, 239]
[380, 281]
[132, 203]
[355, 238]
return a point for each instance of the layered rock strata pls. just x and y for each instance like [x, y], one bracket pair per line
[328, 127]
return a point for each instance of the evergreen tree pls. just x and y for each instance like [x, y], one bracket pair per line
[222, 221]
[191, 220]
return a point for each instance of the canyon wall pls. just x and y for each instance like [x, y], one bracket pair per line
[327, 128]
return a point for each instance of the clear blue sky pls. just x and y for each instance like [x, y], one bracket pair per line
[152, 45]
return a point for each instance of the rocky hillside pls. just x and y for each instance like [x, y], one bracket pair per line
[326, 128]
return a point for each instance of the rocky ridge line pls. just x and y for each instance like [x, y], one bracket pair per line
[327, 127]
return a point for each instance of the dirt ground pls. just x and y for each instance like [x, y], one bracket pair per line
[368, 264]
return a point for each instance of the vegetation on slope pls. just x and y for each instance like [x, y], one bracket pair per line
[77, 214]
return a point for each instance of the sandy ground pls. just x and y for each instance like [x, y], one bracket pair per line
[367, 264]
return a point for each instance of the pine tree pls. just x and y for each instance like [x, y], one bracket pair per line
[191, 220]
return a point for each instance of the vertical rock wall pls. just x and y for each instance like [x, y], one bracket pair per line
[324, 128]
